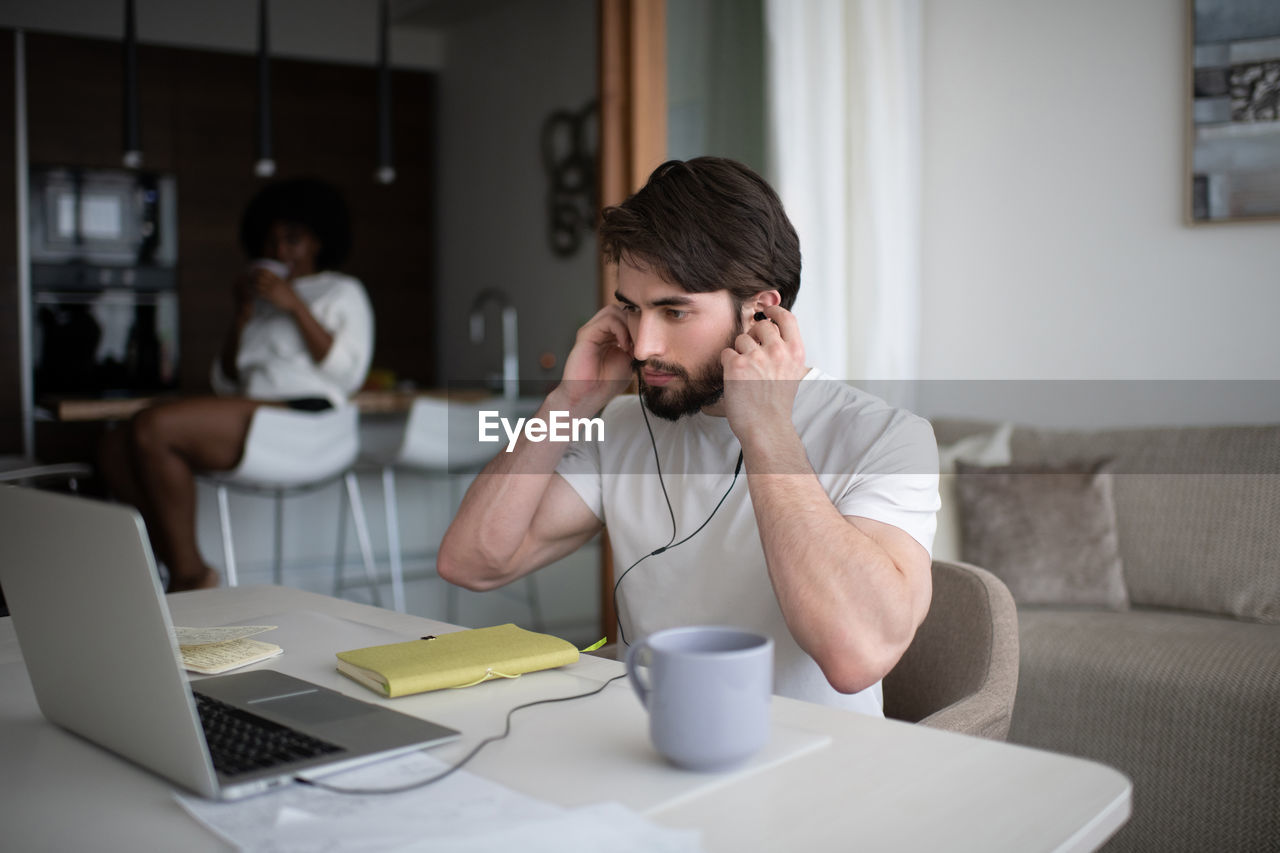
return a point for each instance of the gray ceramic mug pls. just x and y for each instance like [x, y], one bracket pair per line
[708, 693]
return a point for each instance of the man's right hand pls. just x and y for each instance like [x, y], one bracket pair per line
[599, 365]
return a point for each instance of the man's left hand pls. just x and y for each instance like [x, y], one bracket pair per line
[762, 371]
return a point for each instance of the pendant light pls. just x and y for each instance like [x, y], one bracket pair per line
[132, 133]
[386, 173]
[265, 167]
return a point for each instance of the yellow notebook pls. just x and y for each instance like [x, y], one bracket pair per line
[459, 659]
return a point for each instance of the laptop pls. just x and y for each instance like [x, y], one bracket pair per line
[94, 630]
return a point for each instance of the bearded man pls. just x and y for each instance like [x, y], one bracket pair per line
[762, 493]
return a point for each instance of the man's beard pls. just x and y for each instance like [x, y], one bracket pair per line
[695, 392]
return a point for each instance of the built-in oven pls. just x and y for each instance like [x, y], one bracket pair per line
[104, 252]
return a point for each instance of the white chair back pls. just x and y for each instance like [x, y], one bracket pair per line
[443, 436]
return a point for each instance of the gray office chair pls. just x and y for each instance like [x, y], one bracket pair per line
[961, 671]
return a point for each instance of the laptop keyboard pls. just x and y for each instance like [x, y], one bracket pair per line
[241, 742]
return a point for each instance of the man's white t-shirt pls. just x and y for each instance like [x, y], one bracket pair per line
[873, 461]
[273, 358]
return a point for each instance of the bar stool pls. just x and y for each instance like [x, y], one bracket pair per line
[440, 442]
[289, 453]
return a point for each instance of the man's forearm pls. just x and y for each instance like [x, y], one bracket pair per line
[497, 512]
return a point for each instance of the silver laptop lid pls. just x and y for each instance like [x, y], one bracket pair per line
[95, 632]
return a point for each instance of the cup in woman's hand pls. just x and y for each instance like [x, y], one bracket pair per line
[271, 265]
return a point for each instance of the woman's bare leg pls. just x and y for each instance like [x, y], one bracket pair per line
[171, 442]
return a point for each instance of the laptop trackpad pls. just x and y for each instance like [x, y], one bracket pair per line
[312, 707]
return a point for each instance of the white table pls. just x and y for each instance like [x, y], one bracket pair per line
[874, 785]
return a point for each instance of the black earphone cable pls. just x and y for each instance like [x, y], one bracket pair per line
[671, 543]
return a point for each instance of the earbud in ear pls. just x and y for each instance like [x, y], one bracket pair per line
[760, 315]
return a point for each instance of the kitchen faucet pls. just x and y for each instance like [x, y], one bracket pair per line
[510, 364]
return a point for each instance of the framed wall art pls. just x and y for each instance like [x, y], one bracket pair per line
[1235, 110]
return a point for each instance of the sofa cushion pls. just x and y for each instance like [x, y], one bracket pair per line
[1048, 532]
[984, 448]
[1197, 511]
[1183, 704]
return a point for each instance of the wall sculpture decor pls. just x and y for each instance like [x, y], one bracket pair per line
[569, 151]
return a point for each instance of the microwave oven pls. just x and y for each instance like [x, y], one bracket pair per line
[104, 281]
[102, 217]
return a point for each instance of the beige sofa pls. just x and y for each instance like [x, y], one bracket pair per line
[1177, 682]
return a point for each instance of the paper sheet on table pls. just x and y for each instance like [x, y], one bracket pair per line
[225, 634]
[462, 813]
[215, 658]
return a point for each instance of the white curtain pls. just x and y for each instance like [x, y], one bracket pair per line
[844, 89]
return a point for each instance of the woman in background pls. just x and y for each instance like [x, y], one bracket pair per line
[302, 337]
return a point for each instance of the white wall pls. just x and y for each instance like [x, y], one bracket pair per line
[504, 73]
[1054, 182]
[1054, 176]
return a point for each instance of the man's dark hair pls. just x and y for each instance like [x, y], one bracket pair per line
[707, 224]
[302, 201]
